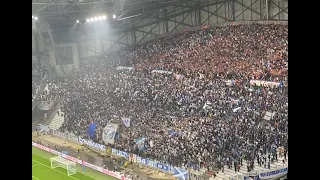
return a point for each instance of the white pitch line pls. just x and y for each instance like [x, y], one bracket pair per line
[35, 165]
[35, 178]
[54, 169]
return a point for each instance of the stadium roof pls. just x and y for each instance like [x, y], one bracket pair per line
[63, 14]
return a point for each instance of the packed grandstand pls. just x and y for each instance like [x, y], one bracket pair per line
[191, 95]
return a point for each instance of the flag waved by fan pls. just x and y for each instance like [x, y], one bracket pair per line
[92, 130]
[140, 143]
[180, 173]
[126, 121]
[109, 133]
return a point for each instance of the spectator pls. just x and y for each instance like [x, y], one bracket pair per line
[207, 100]
[38, 73]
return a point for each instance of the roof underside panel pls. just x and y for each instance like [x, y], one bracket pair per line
[149, 19]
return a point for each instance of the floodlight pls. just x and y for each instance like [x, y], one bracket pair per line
[36, 18]
[92, 19]
[32, 17]
[88, 20]
[104, 17]
[100, 18]
[114, 16]
[77, 21]
[96, 18]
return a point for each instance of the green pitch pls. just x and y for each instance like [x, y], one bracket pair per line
[41, 169]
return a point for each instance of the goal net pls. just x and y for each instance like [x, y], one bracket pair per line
[63, 163]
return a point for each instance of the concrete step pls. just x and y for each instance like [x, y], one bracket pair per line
[57, 121]
[219, 178]
[230, 172]
[222, 175]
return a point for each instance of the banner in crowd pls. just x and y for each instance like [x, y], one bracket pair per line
[273, 173]
[124, 68]
[180, 173]
[161, 72]
[140, 143]
[109, 132]
[154, 164]
[164, 56]
[264, 83]
[76, 139]
[91, 144]
[268, 116]
[251, 177]
[126, 121]
[120, 153]
[229, 82]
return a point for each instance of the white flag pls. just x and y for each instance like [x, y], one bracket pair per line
[109, 132]
[269, 115]
[126, 121]
[236, 109]
[46, 88]
[43, 129]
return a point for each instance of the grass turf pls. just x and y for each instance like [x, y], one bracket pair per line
[41, 169]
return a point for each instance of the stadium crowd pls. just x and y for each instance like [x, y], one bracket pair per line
[38, 73]
[200, 109]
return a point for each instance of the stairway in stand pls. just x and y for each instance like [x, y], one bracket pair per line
[57, 121]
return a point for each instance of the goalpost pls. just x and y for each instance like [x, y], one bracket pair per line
[59, 161]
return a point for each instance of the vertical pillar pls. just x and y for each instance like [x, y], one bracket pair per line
[97, 44]
[267, 9]
[199, 14]
[50, 36]
[75, 57]
[101, 47]
[233, 11]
